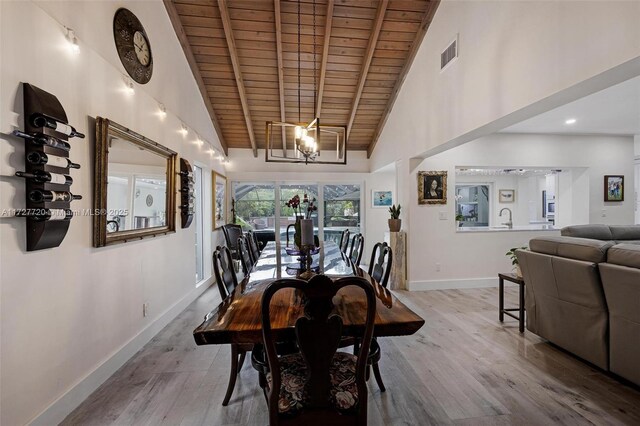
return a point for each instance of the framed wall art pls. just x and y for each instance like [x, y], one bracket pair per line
[219, 185]
[381, 199]
[613, 188]
[432, 187]
[506, 195]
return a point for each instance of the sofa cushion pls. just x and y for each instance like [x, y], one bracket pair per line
[625, 232]
[595, 232]
[625, 255]
[573, 248]
[634, 242]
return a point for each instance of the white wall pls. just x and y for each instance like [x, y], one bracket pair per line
[516, 60]
[469, 259]
[377, 218]
[67, 312]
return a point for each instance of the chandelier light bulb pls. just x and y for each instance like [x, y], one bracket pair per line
[184, 130]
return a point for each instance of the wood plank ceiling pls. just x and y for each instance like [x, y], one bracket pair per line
[243, 54]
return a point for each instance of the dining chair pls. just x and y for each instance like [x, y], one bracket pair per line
[291, 225]
[246, 257]
[227, 282]
[379, 270]
[253, 245]
[344, 241]
[319, 385]
[380, 264]
[357, 246]
[231, 234]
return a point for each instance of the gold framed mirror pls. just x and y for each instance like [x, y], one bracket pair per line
[219, 185]
[134, 186]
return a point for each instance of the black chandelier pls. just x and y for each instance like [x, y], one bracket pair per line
[301, 142]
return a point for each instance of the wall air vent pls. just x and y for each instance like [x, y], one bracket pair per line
[449, 54]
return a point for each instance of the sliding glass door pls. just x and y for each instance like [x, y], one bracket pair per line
[262, 207]
[341, 210]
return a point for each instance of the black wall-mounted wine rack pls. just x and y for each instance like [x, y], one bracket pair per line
[187, 197]
[46, 135]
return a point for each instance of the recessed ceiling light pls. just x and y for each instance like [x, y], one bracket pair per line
[570, 121]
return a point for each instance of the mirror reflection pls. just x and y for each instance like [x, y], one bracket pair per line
[137, 187]
[134, 186]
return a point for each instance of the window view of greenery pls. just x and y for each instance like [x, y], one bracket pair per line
[341, 210]
[255, 208]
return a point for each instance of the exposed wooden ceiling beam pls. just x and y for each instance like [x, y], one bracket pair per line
[422, 31]
[373, 40]
[276, 8]
[325, 55]
[186, 47]
[233, 53]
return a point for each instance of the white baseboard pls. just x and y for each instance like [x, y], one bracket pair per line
[453, 284]
[63, 406]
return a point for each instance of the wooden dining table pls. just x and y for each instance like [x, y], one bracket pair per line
[237, 318]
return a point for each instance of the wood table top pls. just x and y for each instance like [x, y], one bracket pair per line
[237, 318]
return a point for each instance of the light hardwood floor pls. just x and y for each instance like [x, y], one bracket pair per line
[462, 368]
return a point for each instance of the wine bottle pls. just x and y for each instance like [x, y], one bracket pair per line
[38, 196]
[40, 176]
[41, 139]
[41, 120]
[36, 157]
[47, 214]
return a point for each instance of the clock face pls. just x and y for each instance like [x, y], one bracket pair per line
[133, 46]
[141, 48]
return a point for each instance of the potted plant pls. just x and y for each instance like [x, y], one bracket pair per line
[459, 220]
[514, 260]
[395, 223]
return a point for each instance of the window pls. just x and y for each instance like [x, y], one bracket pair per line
[199, 222]
[339, 206]
[255, 205]
[341, 210]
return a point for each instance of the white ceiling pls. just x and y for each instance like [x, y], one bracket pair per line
[614, 111]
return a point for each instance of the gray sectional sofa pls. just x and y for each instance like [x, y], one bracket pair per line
[583, 294]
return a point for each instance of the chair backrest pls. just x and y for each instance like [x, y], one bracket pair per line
[344, 241]
[253, 245]
[380, 264]
[231, 234]
[318, 334]
[246, 258]
[224, 272]
[355, 252]
[291, 225]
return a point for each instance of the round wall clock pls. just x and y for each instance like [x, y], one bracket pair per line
[133, 45]
[149, 200]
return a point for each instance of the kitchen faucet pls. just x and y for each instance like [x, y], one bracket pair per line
[509, 223]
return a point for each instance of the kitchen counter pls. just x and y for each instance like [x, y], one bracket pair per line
[516, 228]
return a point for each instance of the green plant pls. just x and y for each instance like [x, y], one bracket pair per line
[395, 211]
[512, 254]
[459, 217]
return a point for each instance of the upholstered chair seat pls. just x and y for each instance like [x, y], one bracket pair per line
[343, 393]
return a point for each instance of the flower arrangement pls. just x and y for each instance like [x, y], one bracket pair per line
[299, 210]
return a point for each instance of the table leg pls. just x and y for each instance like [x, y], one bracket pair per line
[501, 299]
[521, 320]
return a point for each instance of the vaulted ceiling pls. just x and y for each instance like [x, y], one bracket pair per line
[243, 54]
